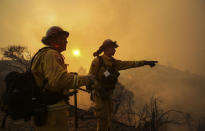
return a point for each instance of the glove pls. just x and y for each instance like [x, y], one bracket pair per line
[91, 82]
[150, 63]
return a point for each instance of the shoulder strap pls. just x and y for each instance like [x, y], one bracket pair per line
[113, 62]
[101, 63]
[37, 54]
[40, 50]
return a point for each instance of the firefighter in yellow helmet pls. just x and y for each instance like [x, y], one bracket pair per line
[106, 70]
[51, 76]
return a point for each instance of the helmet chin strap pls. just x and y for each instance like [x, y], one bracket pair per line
[108, 54]
[56, 46]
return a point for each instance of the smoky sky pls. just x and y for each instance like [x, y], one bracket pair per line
[170, 31]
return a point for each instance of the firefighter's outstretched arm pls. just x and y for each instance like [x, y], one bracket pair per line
[122, 65]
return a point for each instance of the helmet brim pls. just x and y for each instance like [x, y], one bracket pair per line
[111, 45]
[65, 33]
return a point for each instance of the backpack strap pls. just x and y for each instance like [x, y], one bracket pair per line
[113, 62]
[40, 50]
[101, 63]
[37, 54]
[46, 80]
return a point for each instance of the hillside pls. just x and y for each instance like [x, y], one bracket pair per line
[179, 90]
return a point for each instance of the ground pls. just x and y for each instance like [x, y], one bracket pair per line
[86, 120]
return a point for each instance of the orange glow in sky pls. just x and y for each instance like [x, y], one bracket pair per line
[76, 52]
[170, 31]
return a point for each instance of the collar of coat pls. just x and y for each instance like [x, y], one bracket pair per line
[107, 57]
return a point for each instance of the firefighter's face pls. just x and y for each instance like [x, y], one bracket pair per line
[61, 43]
[110, 51]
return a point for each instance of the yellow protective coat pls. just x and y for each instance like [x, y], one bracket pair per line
[49, 64]
[104, 107]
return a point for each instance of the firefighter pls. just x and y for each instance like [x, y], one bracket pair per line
[106, 70]
[51, 75]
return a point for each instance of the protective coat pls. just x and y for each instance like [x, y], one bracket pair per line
[49, 65]
[103, 108]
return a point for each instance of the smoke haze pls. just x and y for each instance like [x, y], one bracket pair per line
[170, 31]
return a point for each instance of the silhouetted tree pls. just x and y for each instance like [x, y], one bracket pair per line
[152, 117]
[16, 56]
[201, 124]
[123, 100]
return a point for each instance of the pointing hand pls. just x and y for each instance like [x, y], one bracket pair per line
[150, 63]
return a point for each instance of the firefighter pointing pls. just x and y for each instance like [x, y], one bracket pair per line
[106, 70]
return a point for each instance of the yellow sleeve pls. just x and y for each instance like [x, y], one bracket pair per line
[56, 73]
[123, 65]
[94, 67]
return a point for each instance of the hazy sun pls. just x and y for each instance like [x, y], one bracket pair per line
[76, 52]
